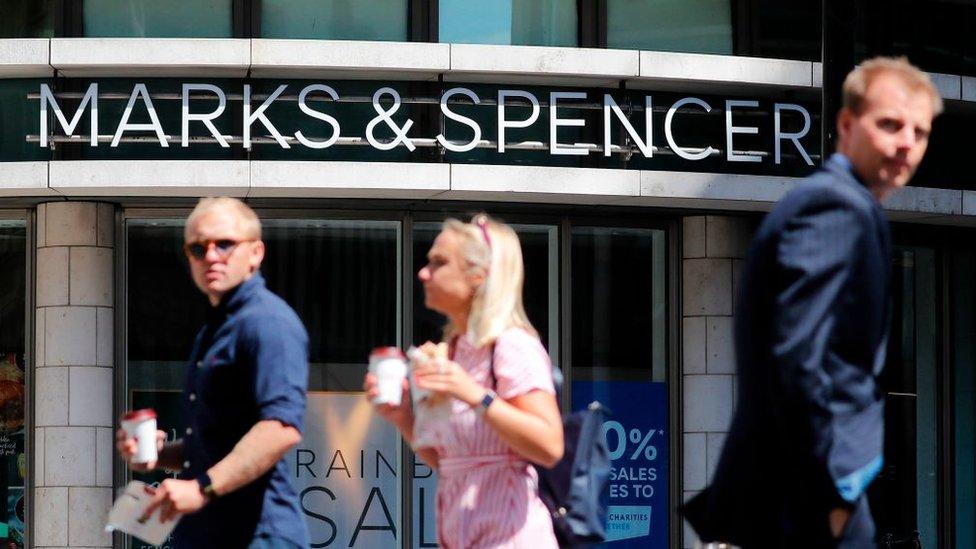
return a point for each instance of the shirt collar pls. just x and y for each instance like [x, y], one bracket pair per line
[236, 297]
[843, 162]
[840, 164]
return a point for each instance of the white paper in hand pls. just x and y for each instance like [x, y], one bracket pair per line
[128, 508]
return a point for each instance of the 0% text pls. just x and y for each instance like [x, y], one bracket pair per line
[633, 443]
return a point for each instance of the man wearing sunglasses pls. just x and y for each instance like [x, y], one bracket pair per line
[243, 401]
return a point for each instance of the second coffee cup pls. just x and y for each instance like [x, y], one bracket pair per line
[389, 365]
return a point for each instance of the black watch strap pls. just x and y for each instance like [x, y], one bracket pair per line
[482, 406]
[206, 486]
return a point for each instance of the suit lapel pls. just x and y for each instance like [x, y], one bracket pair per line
[883, 230]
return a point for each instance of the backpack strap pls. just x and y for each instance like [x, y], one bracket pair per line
[491, 367]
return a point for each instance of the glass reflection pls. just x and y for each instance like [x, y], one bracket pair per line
[149, 19]
[619, 304]
[13, 461]
[335, 19]
[515, 22]
[694, 26]
[26, 18]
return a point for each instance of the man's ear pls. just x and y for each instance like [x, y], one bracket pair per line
[845, 118]
[256, 256]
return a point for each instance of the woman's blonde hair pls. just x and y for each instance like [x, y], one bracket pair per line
[491, 249]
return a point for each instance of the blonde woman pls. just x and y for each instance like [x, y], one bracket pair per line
[499, 379]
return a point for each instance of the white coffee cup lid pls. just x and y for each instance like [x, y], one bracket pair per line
[386, 352]
[140, 415]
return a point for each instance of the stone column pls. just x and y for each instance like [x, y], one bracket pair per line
[713, 248]
[74, 374]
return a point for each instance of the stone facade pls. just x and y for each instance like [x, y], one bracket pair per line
[713, 251]
[74, 374]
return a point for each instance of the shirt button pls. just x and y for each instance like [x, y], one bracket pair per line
[199, 364]
[193, 396]
[186, 464]
[189, 430]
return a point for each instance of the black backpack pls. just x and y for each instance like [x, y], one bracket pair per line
[575, 489]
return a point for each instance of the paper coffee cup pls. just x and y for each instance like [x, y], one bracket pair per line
[389, 365]
[141, 425]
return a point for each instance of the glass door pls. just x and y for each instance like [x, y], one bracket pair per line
[904, 497]
[963, 363]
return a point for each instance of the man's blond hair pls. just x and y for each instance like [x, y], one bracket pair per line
[248, 221]
[857, 81]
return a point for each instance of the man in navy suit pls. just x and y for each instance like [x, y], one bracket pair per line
[811, 329]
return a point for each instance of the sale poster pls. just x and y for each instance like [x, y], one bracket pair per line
[346, 471]
[637, 437]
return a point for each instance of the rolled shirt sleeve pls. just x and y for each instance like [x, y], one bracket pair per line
[279, 349]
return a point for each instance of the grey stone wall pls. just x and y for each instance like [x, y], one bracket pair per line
[713, 249]
[74, 374]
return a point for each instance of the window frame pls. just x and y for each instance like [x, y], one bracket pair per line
[423, 20]
[407, 213]
[944, 240]
[29, 217]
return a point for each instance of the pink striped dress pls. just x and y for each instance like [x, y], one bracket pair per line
[487, 496]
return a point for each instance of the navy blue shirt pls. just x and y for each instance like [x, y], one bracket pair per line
[249, 363]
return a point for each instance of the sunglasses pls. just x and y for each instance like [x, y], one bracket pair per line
[223, 246]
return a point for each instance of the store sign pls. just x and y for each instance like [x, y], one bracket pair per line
[346, 471]
[386, 102]
[637, 437]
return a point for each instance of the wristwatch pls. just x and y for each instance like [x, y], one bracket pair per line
[206, 486]
[486, 401]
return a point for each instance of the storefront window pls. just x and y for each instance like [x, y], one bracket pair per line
[149, 19]
[13, 391]
[359, 486]
[335, 19]
[509, 22]
[696, 26]
[619, 357]
[26, 18]
[341, 277]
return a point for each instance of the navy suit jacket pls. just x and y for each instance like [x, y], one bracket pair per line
[811, 329]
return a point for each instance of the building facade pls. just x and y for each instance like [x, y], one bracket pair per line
[633, 145]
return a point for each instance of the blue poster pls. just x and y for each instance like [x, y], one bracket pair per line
[637, 436]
